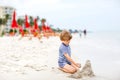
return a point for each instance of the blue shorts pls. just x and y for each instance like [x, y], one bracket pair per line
[61, 65]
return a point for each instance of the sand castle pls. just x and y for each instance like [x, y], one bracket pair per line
[86, 71]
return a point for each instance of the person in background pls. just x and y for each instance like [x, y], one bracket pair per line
[85, 32]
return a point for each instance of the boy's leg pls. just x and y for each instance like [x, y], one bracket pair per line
[69, 69]
[75, 66]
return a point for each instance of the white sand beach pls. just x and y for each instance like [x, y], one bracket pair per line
[35, 60]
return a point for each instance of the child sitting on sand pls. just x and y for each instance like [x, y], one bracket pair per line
[65, 61]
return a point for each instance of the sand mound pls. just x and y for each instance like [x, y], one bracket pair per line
[86, 71]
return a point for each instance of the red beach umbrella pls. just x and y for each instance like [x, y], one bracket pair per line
[47, 28]
[35, 24]
[27, 25]
[20, 29]
[14, 22]
[44, 27]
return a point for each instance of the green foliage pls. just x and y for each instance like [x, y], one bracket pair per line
[3, 33]
[56, 30]
[11, 30]
[0, 21]
[25, 30]
[7, 16]
[43, 20]
[20, 21]
[31, 21]
[15, 31]
[3, 21]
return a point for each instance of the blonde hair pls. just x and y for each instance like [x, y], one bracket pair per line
[65, 35]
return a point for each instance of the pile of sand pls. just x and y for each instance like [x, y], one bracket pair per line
[86, 71]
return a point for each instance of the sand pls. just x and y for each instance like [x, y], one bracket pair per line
[37, 60]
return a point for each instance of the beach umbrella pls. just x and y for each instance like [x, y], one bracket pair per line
[47, 28]
[20, 28]
[27, 25]
[14, 22]
[35, 24]
[44, 27]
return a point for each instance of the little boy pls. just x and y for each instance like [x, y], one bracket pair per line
[65, 61]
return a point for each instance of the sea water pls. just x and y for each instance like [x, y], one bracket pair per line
[102, 49]
[97, 43]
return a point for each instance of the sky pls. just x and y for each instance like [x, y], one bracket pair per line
[92, 15]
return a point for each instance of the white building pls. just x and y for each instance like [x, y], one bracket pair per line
[7, 10]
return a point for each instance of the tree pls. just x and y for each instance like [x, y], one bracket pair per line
[43, 20]
[0, 21]
[20, 21]
[7, 16]
[3, 21]
[31, 21]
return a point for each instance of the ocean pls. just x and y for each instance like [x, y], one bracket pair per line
[102, 49]
[105, 42]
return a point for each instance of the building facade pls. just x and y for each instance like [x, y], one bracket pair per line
[4, 10]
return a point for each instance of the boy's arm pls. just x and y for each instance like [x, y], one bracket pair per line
[70, 59]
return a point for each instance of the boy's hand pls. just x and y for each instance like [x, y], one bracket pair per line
[78, 65]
